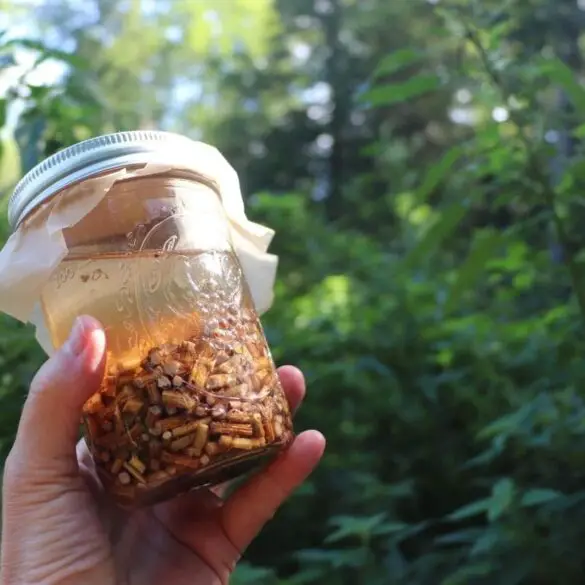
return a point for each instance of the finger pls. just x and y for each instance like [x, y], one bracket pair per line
[48, 428]
[293, 384]
[256, 502]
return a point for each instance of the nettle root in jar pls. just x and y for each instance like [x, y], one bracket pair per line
[187, 410]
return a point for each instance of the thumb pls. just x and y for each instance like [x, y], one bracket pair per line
[49, 425]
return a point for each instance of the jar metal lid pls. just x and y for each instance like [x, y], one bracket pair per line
[94, 156]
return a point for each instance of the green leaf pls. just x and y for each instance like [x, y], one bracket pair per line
[396, 61]
[465, 575]
[485, 543]
[459, 537]
[246, 574]
[395, 93]
[437, 173]
[538, 496]
[579, 132]
[498, 33]
[474, 265]
[354, 526]
[10, 163]
[28, 135]
[390, 528]
[438, 231]
[361, 526]
[507, 424]
[564, 76]
[333, 558]
[470, 510]
[502, 498]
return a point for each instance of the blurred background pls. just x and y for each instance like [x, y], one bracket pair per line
[421, 162]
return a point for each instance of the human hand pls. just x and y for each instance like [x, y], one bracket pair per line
[58, 528]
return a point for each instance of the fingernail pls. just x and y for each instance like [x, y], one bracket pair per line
[76, 341]
[96, 339]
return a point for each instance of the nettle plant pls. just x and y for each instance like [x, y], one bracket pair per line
[472, 462]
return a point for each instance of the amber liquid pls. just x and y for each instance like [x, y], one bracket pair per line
[143, 299]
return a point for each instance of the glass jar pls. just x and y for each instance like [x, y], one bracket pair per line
[191, 396]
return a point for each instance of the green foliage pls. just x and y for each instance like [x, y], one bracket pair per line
[434, 296]
[393, 93]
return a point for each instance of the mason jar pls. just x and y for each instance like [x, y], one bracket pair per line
[190, 395]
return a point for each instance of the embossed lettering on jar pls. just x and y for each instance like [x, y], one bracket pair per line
[191, 396]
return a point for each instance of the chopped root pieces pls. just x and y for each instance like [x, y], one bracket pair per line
[189, 409]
